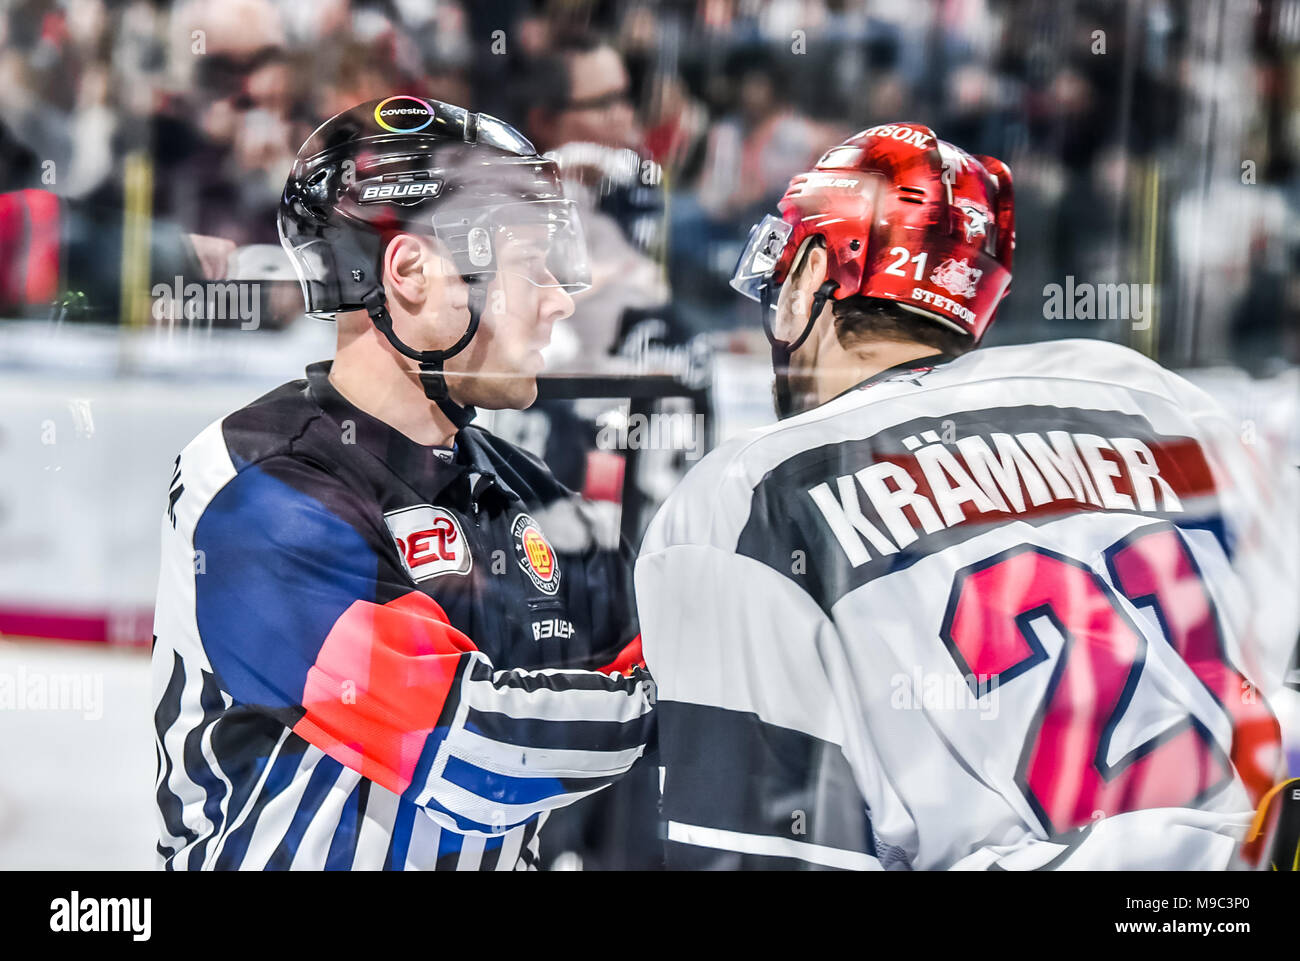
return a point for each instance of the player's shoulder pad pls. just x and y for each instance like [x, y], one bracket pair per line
[711, 505]
[1131, 368]
[263, 428]
[268, 427]
[1094, 361]
[1076, 359]
[265, 469]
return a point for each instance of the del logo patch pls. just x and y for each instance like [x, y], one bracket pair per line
[430, 541]
[536, 558]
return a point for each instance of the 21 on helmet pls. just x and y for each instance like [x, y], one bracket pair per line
[411, 165]
[906, 217]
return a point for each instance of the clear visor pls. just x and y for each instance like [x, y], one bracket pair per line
[763, 250]
[540, 241]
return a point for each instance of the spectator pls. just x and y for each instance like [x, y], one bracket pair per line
[583, 96]
[581, 111]
[223, 136]
[754, 152]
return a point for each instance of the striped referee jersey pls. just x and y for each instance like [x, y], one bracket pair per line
[372, 654]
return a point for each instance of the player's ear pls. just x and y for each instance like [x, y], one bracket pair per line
[807, 274]
[816, 266]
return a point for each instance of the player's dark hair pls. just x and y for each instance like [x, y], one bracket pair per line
[859, 319]
[869, 318]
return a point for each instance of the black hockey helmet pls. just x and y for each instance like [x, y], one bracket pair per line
[410, 165]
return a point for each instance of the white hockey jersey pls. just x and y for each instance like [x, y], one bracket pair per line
[1022, 609]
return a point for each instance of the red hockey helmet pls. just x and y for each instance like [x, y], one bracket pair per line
[906, 217]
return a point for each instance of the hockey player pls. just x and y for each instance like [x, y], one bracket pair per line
[384, 637]
[1010, 608]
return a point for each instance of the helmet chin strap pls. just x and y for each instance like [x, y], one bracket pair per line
[782, 350]
[431, 361]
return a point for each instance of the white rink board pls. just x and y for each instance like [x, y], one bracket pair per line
[76, 790]
[87, 444]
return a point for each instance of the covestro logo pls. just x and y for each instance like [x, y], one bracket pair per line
[403, 114]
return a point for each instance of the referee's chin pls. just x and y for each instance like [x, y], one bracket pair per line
[500, 391]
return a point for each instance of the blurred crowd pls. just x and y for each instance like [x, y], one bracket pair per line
[1152, 142]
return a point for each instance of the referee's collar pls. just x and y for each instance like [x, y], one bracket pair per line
[428, 469]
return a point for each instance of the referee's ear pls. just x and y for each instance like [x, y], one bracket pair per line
[406, 275]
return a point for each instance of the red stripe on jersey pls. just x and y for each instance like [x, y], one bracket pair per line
[627, 659]
[379, 685]
[1181, 462]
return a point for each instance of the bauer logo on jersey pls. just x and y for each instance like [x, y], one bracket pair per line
[430, 541]
[536, 558]
[957, 277]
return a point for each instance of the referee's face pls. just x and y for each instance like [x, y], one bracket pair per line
[499, 368]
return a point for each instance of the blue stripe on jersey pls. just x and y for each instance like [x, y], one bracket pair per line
[1215, 525]
[280, 777]
[400, 844]
[501, 787]
[433, 743]
[449, 844]
[343, 846]
[323, 777]
[197, 767]
[279, 568]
